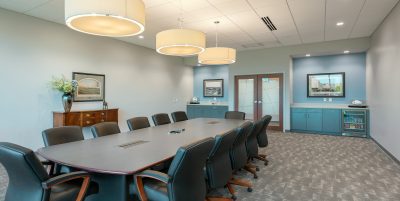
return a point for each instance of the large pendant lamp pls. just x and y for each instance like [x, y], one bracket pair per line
[217, 55]
[113, 18]
[180, 42]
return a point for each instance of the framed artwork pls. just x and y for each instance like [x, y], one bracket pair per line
[213, 88]
[326, 85]
[91, 87]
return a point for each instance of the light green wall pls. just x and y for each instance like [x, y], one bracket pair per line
[279, 60]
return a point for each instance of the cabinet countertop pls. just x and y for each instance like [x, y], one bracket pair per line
[203, 104]
[324, 106]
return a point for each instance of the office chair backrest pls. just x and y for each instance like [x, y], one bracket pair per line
[138, 123]
[179, 116]
[262, 137]
[238, 152]
[161, 119]
[218, 166]
[25, 173]
[186, 172]
[251, 142]
[61, 135]
[104, 129]
[235, 115]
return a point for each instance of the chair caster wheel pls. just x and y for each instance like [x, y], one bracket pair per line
[255, 177]
[266, 163]
[249, 190]
[257, 169]
[234, 197]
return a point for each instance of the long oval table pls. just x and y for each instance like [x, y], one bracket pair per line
[111, 159]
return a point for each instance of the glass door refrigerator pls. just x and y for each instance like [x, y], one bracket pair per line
[355, 122]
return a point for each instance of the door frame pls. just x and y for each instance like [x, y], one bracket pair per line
[254, 77]
[258, 95]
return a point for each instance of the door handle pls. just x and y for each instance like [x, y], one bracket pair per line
[259, 102]
[255, 102]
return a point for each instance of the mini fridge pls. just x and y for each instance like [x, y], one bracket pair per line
[355, 122]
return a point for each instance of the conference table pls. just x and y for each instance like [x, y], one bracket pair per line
[113, 159]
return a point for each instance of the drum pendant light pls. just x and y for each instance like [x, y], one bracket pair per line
[217, 55]
[180, 42]
[116, 18]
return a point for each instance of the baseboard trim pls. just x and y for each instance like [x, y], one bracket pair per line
[386, 151]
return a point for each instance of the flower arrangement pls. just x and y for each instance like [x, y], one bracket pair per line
[64, 85]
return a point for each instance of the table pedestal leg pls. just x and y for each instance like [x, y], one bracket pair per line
[111, 187]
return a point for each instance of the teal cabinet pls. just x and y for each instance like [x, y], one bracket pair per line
[332, 121]
[314, 121]
[304, 119]
[299, 121]
[206, 111]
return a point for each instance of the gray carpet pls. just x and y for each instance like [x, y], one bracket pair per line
[316, 167]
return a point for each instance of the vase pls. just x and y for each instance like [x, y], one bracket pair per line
[67, 101]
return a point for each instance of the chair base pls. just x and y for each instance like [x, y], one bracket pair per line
[241, 182]
[252, 169]
[262, 157]
[218, 199]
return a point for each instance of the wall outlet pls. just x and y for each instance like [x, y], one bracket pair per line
[324, 99]
[330, 99]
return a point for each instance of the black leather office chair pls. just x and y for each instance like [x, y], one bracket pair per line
[104, 129]
[179, 116]
[235, 115]
[61, 135]
[238, 153]
[218, 166]
[262, 139]
[138, 123]
[252, 147]
[28, 180]
[185, 178]
[161, 119]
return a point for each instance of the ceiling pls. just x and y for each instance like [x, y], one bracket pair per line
[241, 27]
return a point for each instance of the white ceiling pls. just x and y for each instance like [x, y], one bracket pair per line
[297, 21]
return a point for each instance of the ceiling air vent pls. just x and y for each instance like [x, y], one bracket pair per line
[253, 45]
[269, 23]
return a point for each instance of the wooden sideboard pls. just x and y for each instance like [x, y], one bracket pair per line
[84, 118]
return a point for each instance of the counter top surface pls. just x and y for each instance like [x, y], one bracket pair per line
[209, 104]
[321, 105]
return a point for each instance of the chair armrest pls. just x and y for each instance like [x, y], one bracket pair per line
[160, 176]
[148, 174]
[68, 177]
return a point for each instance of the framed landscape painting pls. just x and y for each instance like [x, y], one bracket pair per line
[213, 88]
[91, 87]
[326, 85]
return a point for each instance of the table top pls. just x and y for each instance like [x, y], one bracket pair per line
[132, 152]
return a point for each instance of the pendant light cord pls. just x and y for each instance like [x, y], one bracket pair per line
[216, 33]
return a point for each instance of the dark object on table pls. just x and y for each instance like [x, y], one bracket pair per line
[105, 105]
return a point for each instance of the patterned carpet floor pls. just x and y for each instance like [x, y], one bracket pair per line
[306, 167]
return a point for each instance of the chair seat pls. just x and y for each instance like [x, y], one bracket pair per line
[155, 190]
[69, 191]
[65, 192]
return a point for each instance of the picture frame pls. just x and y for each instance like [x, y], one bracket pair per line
[91, 87]
[326, 85]
[213, 88]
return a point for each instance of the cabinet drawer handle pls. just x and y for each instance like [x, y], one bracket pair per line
[102, 120]
[102, 113]
[87, 122]
[88, 115]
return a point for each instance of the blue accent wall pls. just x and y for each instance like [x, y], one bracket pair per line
[210, 72]
[354, 66]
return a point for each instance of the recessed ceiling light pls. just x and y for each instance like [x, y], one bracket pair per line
[141, 36]
[339, 24]
[346, 51]
[308, 55]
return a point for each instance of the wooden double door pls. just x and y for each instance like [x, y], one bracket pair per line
[260, 95]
